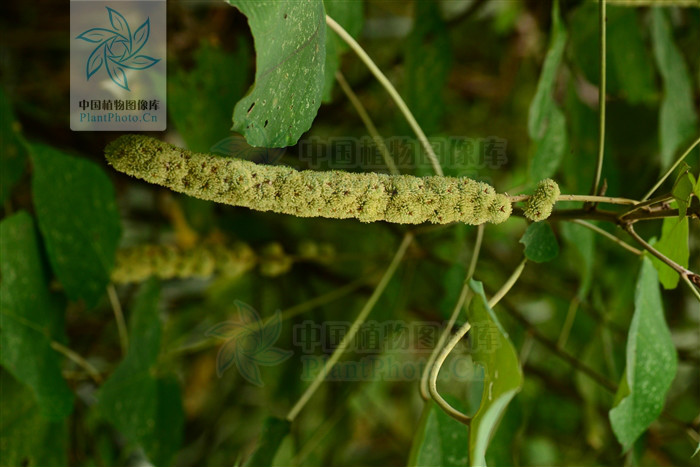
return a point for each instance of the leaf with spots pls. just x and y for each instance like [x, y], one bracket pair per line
[78, 218]
[290, 45]
[503, 378]
[650, 366]
[27, 438]
[146, 410]
[678, 121]
[30, 319]
[440, 439]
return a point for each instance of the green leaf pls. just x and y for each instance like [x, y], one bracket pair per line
[350, 16]
[200, 100]
[30, 319]
[540, 243]
[78, 218]
[651, 362]
[683, 189]
[628, 58]
[428, 59]
[290, 45]
[674, 244]
[440, 440]
[677, 120]
[550, 150]
[503, 377]
[166, 436]
[543, 103]
[147, 411]
[26, 437]
[582, 242]
[13, 151]
[273, 432]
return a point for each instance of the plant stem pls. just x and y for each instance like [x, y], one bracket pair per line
[364, 116]
[498, 296]
[646, 204]
[435, 369]
[692, 287]
[79, 360]
[585, 198]
[338, 352]
[384, 81]
[607, 235]
[671, 169]
[684, 272]
[601, 99]
[424, 390]
[119, 318]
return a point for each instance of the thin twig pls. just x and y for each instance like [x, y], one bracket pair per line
[646, 204]
[607, 235]
[364, 116]
[671, 169]
[498, 296]
[424, 390]
[684, 272]
[601, 99]
[119, 318]
[584, 198]
[691, 286]
[338, 352]
[79, 360]
[384, 81]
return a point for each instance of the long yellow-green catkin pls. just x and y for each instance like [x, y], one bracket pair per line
[368, 197]
[539, 206]
[138, 263]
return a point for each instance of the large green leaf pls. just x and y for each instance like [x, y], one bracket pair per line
[273, 432]
[78, 218]
[26, 437]
[13, 152]
[200, 100]
[290, 46]
[550, 150]
[30, 319]
[543, 103]
[440, 440]
[503, 377]
[628, 56]
[428, 59]
[677, 120]
[350, 16]
[674, 244]
[540, 243]
[146, 410]
[651, 362]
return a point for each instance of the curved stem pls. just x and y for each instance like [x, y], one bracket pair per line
[601, 99]
[607, 235]
[364, 116]
[508, 284]
[671, 169]
[435, 370]
[424, 390]
[384, 81]
[350, 335]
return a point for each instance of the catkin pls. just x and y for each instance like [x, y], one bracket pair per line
[539, 206]
[369, 197]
